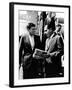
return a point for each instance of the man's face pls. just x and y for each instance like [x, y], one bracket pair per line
[49, 33]
[32, 31]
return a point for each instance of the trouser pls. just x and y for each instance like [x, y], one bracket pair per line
[51, 70]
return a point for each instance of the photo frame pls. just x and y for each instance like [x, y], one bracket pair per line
[23, 16]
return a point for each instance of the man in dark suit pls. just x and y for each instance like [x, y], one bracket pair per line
[28, 43]
[55, 49]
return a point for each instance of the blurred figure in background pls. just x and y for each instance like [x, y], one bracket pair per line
[50, 21]
[60, 30]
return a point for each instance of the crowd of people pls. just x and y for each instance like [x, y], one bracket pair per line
[47, 65]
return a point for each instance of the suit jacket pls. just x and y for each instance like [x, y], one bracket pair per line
[56, 50]
[26, 52]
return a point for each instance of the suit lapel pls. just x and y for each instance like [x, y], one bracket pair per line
[34, 41]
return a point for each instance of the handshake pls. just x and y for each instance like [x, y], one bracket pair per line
[40, 54]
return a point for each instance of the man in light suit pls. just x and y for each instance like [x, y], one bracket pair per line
[28, 43]
[55, 49]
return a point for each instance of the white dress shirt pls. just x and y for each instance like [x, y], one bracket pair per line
[31, 38]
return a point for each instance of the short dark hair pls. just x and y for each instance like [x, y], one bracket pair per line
[59, 25]
[30, 25]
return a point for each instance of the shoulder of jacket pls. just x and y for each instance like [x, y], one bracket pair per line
[57, 36]
[24, 36]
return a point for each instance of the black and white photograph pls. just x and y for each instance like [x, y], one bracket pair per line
[41, 44]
